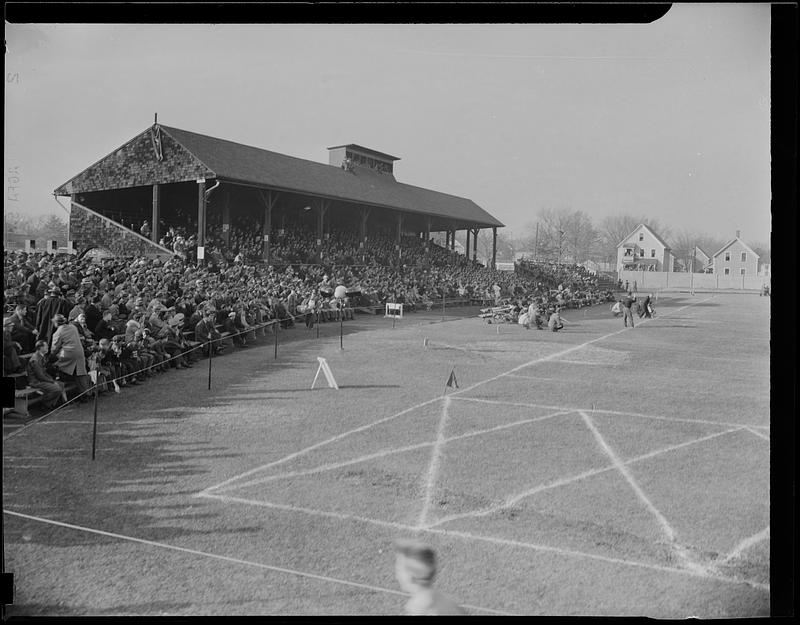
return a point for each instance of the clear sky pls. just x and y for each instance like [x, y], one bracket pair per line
[668, 120]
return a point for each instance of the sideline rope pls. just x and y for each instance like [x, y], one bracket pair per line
[252, 328]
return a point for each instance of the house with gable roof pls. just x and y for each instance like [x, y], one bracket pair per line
[703, 262]
[644, 250]
[735, 258]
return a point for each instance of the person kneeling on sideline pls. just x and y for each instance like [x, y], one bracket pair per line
[415, 568]
[555, 324]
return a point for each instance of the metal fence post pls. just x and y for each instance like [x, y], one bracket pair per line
[94, 427]
[210, 356]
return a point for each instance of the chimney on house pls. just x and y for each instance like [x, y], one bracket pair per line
[738, 233]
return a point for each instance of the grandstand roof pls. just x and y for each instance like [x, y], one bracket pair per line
[235, 162]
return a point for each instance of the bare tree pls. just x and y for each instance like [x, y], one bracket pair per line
[615, 228]
[17, 222]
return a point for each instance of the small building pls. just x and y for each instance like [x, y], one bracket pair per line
[644, 250]
[735, 258]
[702, 260]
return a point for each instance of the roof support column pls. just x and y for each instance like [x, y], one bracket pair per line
[201, 221]
[468, 233]
[322, 208]
[399, 234]
[494, 247]
[155, 233]
[452, 240]
[475, 245]
[427, 236]
[365, 211]
[269, 200]
[226, 219]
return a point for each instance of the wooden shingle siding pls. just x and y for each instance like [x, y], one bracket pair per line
[135, 165]
[88, 230]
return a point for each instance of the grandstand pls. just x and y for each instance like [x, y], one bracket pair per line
[173, 178]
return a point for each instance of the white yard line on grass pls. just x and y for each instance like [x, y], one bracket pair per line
[593, 556]
[388, 452]
[759, 434]
[490, 539]
[433, 469]
[678, 549]
[327, 441]
[746, 544]
[425, 403]
[514, 499]
[609, 412]
[195, 552]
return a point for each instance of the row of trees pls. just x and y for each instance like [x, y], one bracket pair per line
[567, 235]
[41, 227]
[558, 234]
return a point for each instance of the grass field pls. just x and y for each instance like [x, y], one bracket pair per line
[594, 471]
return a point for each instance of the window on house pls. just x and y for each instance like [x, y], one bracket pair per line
[628, 252]
[641, 236]
[727, 255]
[727, 271]
[744, 257]
[652, 253]
[742, 271]
[641, 253]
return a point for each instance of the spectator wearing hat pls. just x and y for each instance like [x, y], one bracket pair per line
[50, 306]
[175, 343]
[86, 336]
[11, 349]
[93, 314]
[109, 364]
[69, 351]
[230, 326]
[130, 364]
[22, 330]
[205, 332]
[105, 327]
[39, 379]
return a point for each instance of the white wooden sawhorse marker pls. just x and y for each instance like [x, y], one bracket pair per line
[323, 366]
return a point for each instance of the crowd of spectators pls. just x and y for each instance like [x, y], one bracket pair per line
[136, 317]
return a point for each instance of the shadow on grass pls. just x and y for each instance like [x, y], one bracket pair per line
[154, 608]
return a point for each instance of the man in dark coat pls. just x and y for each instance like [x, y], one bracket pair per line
[22, 330]
[39, 379]
[627, 314]
[50, 306]
[205, 331]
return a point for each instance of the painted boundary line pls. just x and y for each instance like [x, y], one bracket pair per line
[388, 452]
[425, 403]
[746, 544]
[759, 434]
[669, 532]
[278, 569]
[433, 468]
[489, 539]
[317, 445]
[613, 412]
[514, 499]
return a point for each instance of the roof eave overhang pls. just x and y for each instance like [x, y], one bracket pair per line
[459, 221]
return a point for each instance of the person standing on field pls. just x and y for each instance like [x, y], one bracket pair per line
[627, 314]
